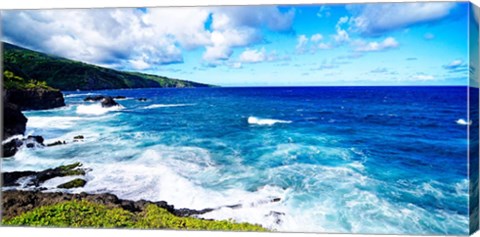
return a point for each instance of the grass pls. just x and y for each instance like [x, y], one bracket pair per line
[87, 214]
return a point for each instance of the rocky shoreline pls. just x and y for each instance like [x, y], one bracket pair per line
[17, 202]
[22, 191]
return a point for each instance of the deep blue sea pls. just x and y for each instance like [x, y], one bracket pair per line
[341, 159]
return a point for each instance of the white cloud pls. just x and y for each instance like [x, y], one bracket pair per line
[342, 35]
[312, 44]
[378, 18]
[324, 11]
[253, 56]
[454, 64]
[259, 55]
[239, 26]
[423, 77]
[316, 38]
[132, 38]
[388, 43]
[139, 64]
[302, 43]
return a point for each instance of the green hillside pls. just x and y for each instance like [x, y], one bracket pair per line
[66, 74]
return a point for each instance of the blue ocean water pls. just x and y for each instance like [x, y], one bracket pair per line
[341, 159]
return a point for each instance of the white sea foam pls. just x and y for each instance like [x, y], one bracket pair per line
[463, 122]
[59, 122]
[77, 95]
[268, 122]
[96, 109]
[154, 106]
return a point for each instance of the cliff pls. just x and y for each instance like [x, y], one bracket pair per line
[68, 75]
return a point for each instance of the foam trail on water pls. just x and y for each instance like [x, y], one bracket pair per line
[261, 121]
[96, 109]
[154, 106]
[463, 122]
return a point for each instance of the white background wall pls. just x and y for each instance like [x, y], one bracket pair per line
[57, 232]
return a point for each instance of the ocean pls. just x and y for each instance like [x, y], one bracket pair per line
[387, 160]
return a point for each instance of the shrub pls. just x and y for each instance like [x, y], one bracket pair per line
[86, 214]
[74, 214]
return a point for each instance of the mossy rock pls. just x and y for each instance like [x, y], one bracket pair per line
[76, 183]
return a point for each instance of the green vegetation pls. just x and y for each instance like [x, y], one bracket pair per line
[66, 74]
[12, 81]
[86, 214]
[74, 214]
[76, 183]
[154, 217]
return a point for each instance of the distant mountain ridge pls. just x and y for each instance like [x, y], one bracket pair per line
[66, 74]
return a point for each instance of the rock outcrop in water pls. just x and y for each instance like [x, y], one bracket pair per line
[93, 98]
[11, 147]
[12, 179]
[14, 101]
[108, 102]
[14, 122]
[35, 99]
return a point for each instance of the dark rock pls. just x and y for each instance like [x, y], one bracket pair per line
[14, 120]
[11, 178]
[78, 137]
[108, 102]
[76, 183]
[35, 99]
[142, 99]
[276, 199]
[277, 215]
[119, 97]
[61, 171]
[34, 140]
[10, 148]
[184, 212]
[94, 98]
[57, 143]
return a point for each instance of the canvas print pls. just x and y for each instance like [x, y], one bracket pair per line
[325, 118]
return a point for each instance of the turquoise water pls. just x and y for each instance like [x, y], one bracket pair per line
[341, 159]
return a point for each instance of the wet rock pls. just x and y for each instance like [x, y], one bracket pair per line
[37, 178]
[11, 178]
[14, 121]
[93, 98]
[10, 148]
[109, 102]
[79, 137]
[142, 99]
[56, 143]
[33, 141]
[119, 97]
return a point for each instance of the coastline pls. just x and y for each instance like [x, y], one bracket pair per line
[18, 201]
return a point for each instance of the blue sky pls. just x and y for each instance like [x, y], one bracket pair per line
[309, 45]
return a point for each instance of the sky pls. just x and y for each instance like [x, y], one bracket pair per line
[298, 45]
